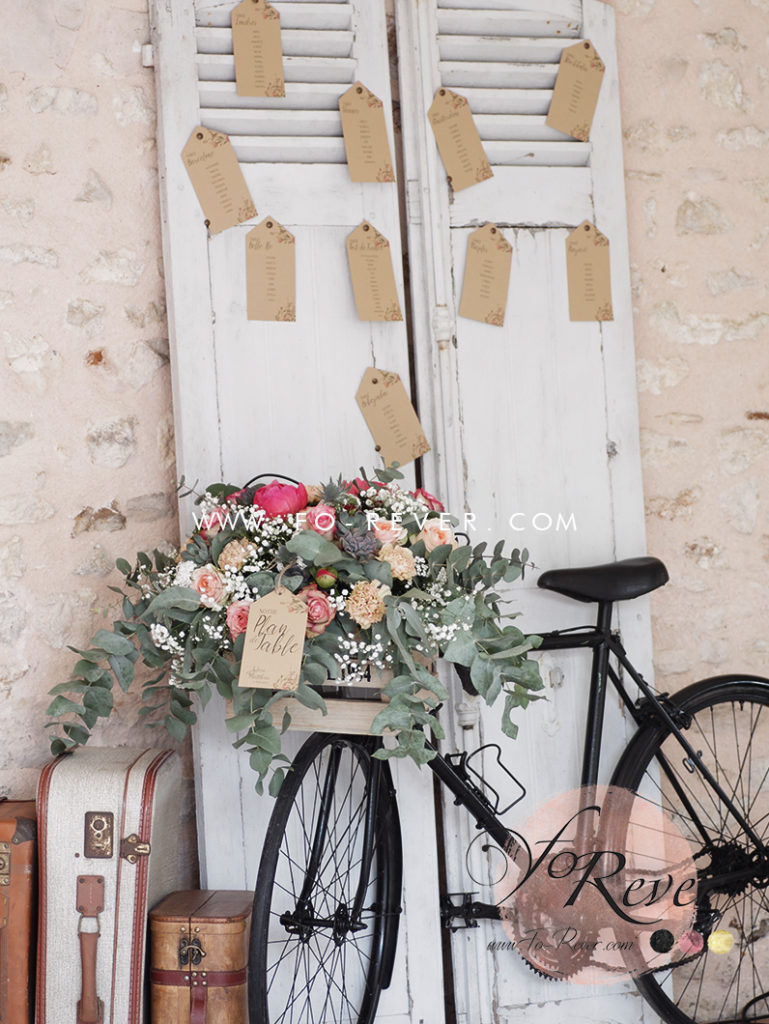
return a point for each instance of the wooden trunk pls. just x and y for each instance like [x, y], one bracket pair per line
[18, 899]
[199, 957]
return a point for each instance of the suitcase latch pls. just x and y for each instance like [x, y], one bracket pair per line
[5, 863]
[99, 827]
[190, 951]
[131, 848]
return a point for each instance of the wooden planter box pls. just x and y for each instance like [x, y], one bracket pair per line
[351, 709]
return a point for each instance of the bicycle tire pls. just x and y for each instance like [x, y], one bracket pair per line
[727, 719]
[325, 973]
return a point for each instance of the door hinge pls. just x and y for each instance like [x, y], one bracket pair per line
[131, 848]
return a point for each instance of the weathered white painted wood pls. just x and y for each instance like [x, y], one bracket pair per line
[570, 9]
[325, 14]
[495, 48]
[220, 67]
[506, 21]
[525, 127]
[305, 42]
[537, 154]
[506, 101]
[302, 149]
[492, 75]
[272, 122]
[556, 196]
[299, 96]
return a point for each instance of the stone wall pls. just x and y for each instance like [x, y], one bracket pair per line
[694, 84]
[86, 435]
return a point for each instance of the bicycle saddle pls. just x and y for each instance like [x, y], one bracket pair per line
[614, 581]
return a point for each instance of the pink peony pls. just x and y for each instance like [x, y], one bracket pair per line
[320, 611]
[277, 499]
[388, 531]
[209, 584]
[237, 617]
[435, 533]
[321, 519]
[429, 500]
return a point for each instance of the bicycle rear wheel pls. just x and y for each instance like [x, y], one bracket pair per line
[727, 723]
[327, 896]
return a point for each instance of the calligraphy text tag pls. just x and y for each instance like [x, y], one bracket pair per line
[257, 49]
[372, 274]
[270, 272]
[589, 274]
[487, 275]
[390, 417]
[365, 135]
[458, 140]
[274, 642]
[217, 179]
[575, 95]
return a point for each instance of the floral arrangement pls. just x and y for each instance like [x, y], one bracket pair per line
[388, 588]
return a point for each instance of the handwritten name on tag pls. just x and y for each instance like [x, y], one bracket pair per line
[487, 276]
[270, 272]
[372, 274]
[274, 642]
[257, 48]
[458, 140]
[576, 90]
[589, 274]
[365, 135]
[217, 179]
[390, 417]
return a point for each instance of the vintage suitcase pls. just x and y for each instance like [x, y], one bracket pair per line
[198, 958]
[108, 837]
[18, 906]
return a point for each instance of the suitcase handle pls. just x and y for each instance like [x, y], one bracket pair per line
[90, 903]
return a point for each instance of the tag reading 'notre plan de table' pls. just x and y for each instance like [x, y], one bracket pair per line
[589, 274]
[458, 140]
[217, 179]
[390, 416]
[270, 272]
[365, 135]
[257, 49]
[487, 276]
[274, 642]
[372, 274]
[575, 94]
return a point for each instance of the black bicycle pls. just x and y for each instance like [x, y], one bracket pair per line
[328, 892]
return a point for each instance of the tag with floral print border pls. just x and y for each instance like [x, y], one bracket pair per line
[217, 179]
[257, 49]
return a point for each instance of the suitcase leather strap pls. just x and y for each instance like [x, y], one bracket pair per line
[90, 903]
[199, 983]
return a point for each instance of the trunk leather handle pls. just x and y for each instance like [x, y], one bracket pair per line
[90, 903]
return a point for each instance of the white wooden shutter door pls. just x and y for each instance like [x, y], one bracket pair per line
[537, 417]
[261, 397]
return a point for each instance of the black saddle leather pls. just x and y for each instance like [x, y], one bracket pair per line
[615, 581]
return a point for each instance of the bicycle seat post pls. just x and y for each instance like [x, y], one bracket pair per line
[597, 697]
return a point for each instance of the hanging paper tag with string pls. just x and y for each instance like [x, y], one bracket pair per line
[589, 274]
[391, 417]
[257, 49]
[217, 179]
[487, 275]
[458, 140]
[576, 90]
[274, 642]
[365, 135]
[372, 274]
[270, 272]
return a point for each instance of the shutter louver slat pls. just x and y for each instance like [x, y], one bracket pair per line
[295, 42]
[220, 67]
[299, 96]
[505, 22]
[319, 14]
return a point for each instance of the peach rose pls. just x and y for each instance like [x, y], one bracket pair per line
[435, 533]
[321, 519]
[209, 584]
[237, 617]
[387, 531]
[314, 493]
[320, 611]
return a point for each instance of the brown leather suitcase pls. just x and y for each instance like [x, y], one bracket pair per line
[199, 956]
[18, 908]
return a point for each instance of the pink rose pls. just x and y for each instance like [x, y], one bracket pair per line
[429, 499]
[277, 499]
[209, 584]
[237, 617]
[321, 519]
[359, 484]
[320, 611]
[435, 533]
[211, 524]
[388, 531]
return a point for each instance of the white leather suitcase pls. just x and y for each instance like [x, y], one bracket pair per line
[108, 822]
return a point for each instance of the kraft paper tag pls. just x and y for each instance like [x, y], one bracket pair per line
[274, 643]
[575, 94]
[372, 274]
[458, 140]
[218, 180]
[270, 272]
[390, 417]
[487, 275]
[589, 274]
[365, 135]
[257, 49]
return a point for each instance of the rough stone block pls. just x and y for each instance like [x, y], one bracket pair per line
[112, 443]
[13, 434]
[700, 217]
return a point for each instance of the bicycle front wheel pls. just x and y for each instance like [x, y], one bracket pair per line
[726, 721]
[327, 894]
